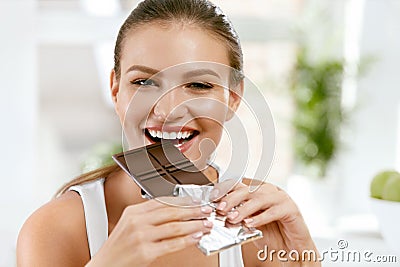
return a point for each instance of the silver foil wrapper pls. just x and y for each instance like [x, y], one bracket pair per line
[223, 235]
[199, 193]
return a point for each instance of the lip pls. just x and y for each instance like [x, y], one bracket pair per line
[184, 147]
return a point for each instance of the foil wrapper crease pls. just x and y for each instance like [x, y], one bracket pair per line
[223, 235]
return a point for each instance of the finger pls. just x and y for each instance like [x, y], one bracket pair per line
[176, 229]
[233, 199]
[265, 194]
[178, 201]
[158, 203]
[267, 216]
[287, 213]
[148, 206]
[175, 244]
[223, 188]
[256, 204]
[169, 214]
[249, 208]
[267, 188]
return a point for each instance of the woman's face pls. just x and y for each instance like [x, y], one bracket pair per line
[174, 85]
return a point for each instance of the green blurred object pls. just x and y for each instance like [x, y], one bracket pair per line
[100, 156]
[380, 181]
[316, 91]
[391, 189]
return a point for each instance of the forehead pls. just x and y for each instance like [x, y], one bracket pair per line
[160, 47]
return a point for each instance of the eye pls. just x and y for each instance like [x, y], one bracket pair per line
[144, 82]
[199, 86]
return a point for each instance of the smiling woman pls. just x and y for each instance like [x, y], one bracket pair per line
[177, 75]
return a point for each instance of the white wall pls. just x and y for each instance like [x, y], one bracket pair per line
[372, 132]
[18, 119]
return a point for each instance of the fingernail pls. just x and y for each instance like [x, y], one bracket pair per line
[206, 209]
[207, 223]
[222, 205]
[214, 194]
[233, 215]
[248, 221]
[197, 235]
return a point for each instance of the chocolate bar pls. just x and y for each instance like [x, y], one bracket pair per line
[158, 168]
[161, 169]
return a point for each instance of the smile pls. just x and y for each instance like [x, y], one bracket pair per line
[181, 137]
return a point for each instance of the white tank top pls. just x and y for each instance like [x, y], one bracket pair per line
[94, 205]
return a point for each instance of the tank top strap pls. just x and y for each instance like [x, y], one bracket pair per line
[92, 195]
[231, 257]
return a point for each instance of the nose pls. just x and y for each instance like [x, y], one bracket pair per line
[170, 106]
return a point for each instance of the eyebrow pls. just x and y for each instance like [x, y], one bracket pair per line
[200, 72]
[189, 74]
[142, 69]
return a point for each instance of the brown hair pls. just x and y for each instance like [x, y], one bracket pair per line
[201, 13]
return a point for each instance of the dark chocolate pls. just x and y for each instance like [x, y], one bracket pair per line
[157, 168]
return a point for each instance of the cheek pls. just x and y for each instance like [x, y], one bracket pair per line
[136, 110]
[214, 109]
[211, 129]
[210, 114]
[138, 106]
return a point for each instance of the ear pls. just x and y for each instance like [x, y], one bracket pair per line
[116, 96]
[235, 97]
[114, 88]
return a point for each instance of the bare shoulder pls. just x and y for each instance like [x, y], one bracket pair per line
[251, 254]
[55, 234]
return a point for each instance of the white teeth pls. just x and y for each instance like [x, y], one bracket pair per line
[153, 133]
[170, 135]
[186, 135]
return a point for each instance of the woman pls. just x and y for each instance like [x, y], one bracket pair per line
[132, 231]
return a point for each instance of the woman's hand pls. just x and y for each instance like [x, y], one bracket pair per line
[269, 209]
[152, 229]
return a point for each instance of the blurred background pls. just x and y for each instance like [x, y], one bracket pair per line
[328, 69]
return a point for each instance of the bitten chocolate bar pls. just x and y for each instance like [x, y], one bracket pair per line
[158, 168]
